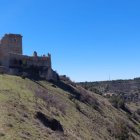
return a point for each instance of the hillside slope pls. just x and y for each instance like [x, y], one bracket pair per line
[40, 110]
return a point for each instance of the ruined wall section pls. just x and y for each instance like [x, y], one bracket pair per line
[42, 63]
[39, 61]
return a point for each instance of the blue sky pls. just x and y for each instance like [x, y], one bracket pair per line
[88, 39]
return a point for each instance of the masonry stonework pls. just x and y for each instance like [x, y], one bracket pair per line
[12, 58]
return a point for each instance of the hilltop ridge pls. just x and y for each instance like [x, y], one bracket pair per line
[130, 88]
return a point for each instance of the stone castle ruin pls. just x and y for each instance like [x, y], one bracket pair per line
[12, 60]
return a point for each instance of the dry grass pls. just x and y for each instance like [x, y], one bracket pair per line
[86, 116]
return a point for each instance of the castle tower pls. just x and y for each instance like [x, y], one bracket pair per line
[12, 43]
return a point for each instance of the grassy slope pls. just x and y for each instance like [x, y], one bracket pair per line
[19, 104]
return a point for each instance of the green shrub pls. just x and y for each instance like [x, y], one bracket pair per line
[117, 101]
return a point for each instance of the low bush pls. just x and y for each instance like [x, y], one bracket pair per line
[119, 130]
[119, 103]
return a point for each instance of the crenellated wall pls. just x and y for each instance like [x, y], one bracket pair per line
[17, 59]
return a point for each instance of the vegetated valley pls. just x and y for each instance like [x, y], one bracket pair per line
[64, 110]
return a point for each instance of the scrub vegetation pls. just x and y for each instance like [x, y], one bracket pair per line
[42, 110]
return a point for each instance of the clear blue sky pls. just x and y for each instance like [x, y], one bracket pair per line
[88, 39]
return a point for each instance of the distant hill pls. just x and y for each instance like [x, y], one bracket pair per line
[62, 110]
[130, 89]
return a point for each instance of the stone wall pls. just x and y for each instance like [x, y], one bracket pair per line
[17, 59]
[11, 43]
[12, 59]
[3, 70]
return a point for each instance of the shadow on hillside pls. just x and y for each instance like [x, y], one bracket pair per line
[39, 84]
[53, 124]
[79, 94]
[67, 88]
[75, 93]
